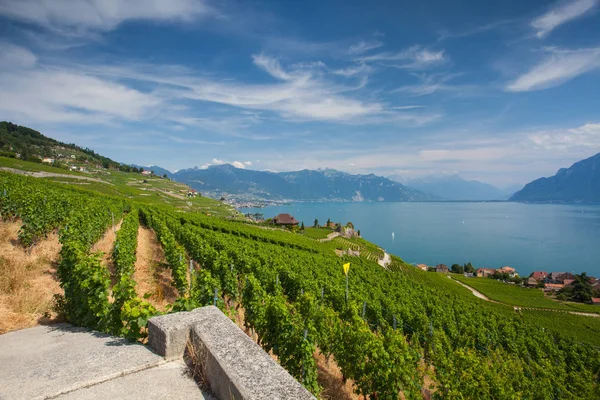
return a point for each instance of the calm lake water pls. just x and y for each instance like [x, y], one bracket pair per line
[527, 237]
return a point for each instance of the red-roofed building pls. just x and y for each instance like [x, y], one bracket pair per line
[285, 219]
[539, 275]
[596, 301]
[485, 272]
[567, 282]
[508, 270]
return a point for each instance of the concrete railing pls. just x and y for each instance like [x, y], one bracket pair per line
[232, 364]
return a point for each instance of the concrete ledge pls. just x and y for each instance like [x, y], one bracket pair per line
[169, 334]
[234, 366]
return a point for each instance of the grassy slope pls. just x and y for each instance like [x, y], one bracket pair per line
[519, 296]
[317, 233]
[131, 185]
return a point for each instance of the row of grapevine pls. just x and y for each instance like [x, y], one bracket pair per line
[445, 329]
[128, 313]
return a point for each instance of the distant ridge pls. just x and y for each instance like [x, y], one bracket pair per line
[453, 187]
[578, 183]
[305, 185]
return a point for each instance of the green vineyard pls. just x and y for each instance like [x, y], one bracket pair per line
[397, 330]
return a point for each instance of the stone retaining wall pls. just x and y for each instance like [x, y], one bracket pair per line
[233, 365]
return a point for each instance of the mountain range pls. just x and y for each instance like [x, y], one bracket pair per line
[305, 185]
[454, 187]
[578, 183]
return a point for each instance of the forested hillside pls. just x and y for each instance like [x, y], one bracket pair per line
[396, 330]
[29, 145]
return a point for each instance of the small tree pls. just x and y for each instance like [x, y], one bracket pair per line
[165, 176]
[469, 268]
[328, 222]
[358, 232]
[582, 288]
[302, 226]
[350, 225]
[316, 225]
[457, 269]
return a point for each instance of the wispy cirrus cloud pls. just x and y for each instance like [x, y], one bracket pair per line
[363, 46]
[432, 83]
[559, 66]
[415, 57]
[560, 14]
[101, 15]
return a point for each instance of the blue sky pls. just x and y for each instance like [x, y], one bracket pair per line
[502, 92]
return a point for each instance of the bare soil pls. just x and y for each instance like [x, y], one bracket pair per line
[28, 279]
[105, 245]
[152, 274]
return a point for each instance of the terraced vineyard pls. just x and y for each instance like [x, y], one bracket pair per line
[393, 331]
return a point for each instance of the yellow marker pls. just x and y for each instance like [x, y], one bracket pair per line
[346, 268]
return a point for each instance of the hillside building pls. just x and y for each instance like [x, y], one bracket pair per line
[285, 220]
[485, 272]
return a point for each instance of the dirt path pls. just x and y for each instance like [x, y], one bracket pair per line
[330, 237]
[105, 245]
[385, 261]
[28, 279]
[474, 291]
[42, 174]
[152, 275]
[519, 308]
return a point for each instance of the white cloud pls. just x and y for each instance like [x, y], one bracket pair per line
[415, 57]
[218, 161]
[430, 84]
[62, 95]
[12, 56]
[584, 136]
[364, 46]
[558, 67]
[561, 13]
[358, 69]
[100, 15]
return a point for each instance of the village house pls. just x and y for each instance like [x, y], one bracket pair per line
[568, 282]
[596, 301]
[559, 277]
[192, 193]
[48, 160]
[508, 270]
[146, 173]
[553, 287]
[424, 267]
[441, 268]
[285, 220]
[485, 272]
[468, 274]
[532, 282]
[539, 275]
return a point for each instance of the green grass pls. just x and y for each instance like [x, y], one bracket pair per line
[154, 191]
[584, 329]
[522, 297]
[317, 233]
[33, 167]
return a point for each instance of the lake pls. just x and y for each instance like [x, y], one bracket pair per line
[527, 237]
